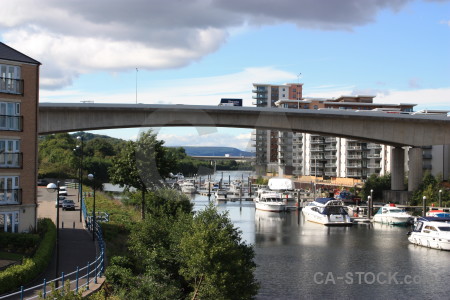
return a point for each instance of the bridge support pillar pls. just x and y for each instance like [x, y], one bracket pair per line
[397, 169]
[415, 168]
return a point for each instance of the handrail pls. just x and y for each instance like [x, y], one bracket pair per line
[93, 270]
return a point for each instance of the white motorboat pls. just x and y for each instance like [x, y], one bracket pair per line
[327, 211]
[236, 187]
[269, 201]
[439, 212]
[431, 232]
[391, 214]
[188, 187]
[220, 194]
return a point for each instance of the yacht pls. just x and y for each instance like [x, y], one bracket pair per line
[269, 201]
[431, 232]
[391, 214]
[188, 187]
[439, 212]
[236, 187]
[220, 194]
[327, 211]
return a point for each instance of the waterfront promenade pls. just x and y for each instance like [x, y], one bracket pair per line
[76, 247]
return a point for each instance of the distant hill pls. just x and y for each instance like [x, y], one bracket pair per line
[215, 151]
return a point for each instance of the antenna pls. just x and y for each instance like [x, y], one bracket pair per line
[136, 83]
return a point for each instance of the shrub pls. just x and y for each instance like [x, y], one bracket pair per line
[15, 276]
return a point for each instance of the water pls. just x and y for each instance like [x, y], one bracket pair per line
[302, 260]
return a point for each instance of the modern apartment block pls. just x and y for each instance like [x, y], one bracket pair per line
[19, 99]
[303, 154]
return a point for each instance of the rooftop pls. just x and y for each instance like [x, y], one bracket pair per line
[8, 53]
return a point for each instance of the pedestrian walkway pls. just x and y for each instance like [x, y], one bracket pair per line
[76, 246]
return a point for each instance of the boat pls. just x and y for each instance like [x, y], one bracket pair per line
[439, 212]
[188, 187]
[391, 214]
[327, 211]
[220, 194]
[269, 201]
[431, 232]
[236, 187]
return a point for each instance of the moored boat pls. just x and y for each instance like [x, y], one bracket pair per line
[220, 194]
[327, 211]
[431, 232]
[269, 201]
[188, 187]
[391, 214]
[439, 212]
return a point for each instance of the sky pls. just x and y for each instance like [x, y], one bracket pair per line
[198, 51]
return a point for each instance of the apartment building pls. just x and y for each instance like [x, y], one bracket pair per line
[303, 154]
[19, 98]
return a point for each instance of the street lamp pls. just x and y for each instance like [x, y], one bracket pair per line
[369, 207]
[80, 175]
[91, 177]
[424, 204]
[51, 188]
[440, 199]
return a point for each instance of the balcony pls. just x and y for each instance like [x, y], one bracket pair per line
[317, 149]
[11, 86]
[353, 165]
[374, 166]
[259, 91]
[354, 156]
[316, 157]
[330, 140]
[11, 160]
[10, 197]
[331, 174]
[374, 155]
[427, 156]
[330, 156]
[373, 146]
[317, 141]
[11, 123]
[353, 174]
[330, 148]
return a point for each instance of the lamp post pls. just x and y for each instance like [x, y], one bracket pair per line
[80, 175]
[369, 207]
[51, 188]
[440, 199]
[91, 177]
[424, 204]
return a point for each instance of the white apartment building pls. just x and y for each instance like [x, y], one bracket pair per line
[304, 154]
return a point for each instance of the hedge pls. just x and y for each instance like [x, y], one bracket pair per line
[24, 243]
[18, 275]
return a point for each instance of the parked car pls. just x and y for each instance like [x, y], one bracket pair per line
[42, 182]
[68, 204]
[60, 201]
[62, 191]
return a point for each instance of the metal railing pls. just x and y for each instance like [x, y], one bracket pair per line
[11, 86]
[79, 279]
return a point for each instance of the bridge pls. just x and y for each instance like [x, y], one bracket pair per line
[397, 130]
[224, 157]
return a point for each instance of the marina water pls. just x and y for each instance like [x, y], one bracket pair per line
[303, 260]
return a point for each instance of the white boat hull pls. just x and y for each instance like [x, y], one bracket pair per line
[270, 206]
[435, 242]
[391, 219]
[331, 220]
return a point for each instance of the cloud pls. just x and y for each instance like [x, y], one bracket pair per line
[71, 39]
[218, 139]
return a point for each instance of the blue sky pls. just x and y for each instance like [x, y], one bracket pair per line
[198, 51]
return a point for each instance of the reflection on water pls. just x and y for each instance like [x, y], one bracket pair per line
[303, 260]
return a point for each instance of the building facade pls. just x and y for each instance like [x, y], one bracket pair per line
[304, 154]
[19, 100]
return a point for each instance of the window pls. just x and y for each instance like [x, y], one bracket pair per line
[10, 81]
[9, 190]
[9, 221]
[10, 156]
[10, 116]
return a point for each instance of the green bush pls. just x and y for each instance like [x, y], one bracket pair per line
[15, 276]
[24, 243]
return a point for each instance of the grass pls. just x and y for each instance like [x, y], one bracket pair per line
[121, 218]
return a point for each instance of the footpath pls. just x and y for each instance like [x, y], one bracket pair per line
[76, 246]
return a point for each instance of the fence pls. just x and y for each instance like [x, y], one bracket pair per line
[78, 279]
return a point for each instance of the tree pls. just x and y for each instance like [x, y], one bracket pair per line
[378, 184]
[142, 164]
[215, 261]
